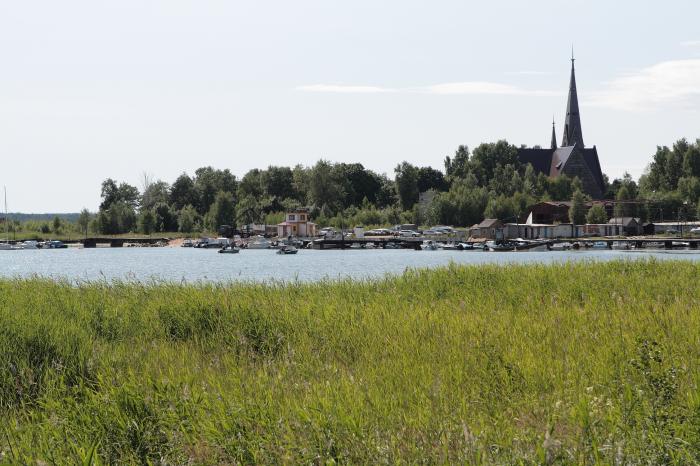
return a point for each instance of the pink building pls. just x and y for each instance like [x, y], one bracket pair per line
[296, 223]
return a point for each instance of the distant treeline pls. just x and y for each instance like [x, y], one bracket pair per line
[20, 217]
[488, 182]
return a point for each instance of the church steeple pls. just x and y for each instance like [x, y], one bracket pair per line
[554, 136]
[572, 124]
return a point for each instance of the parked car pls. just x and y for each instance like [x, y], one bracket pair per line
[409, 233]
[695, 231]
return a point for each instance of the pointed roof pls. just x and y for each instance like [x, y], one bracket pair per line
[554, 137]
[572, 124]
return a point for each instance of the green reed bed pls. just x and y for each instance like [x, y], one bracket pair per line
[577, 363]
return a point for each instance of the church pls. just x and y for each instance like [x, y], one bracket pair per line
[572, 158]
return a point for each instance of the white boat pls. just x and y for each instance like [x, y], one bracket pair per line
[560, 246]
[30, 244]
[621, 245]
[600, 245]
[259, 242]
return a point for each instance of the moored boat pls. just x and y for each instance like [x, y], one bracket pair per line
[287, 249]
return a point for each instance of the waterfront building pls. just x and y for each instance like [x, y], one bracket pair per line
[572, 158]
[297, 223]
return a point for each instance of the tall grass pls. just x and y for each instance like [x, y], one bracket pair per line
[577, 363]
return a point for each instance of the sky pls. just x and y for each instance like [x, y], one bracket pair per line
[95, 89]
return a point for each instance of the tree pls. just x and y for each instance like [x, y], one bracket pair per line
[147, 222]
[154, 193]
[223, 210]
[57, 225]
[597, 215]
[429, 178]
[113, 193]
[183, 192]
[208, 182]
[84, 221]
[577, 211]
[187, 219]
[407, 184]
[457, 167]
[326, 187]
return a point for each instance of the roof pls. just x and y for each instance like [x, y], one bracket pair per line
[551, 162]
[540, 159]
[489, 222]
[559, 159]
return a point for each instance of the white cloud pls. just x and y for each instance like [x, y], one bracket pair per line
[666, 83]
[466, 87]
[690, 43]
[483, 88]
[341, 88]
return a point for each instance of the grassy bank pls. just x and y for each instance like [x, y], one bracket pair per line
[577, 363]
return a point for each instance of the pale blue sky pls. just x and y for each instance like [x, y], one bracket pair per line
[97, 89]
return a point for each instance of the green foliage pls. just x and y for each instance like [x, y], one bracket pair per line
[597, 215]
[188, 219]
[147, 222]
[577, 211]
[412, 369]
[223, 211]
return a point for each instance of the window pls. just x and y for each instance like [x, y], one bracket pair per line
[291, 217]
[302, 217]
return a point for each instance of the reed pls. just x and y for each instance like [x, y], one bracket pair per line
[527, 364]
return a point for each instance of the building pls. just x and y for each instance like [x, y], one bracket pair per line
[489, 228]
[630, 226]
[296, 223]
[573, 158]
[549, 212]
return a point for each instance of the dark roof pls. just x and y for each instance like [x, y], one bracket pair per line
[559, 159]
[540, 159]
[489, 222]
[590, 155]
[552, 161]
[572, 125]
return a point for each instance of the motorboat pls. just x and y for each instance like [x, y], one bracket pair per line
[560, 246]
[30, 244]
[621, 245]
[54, 244]
[230, 249]
[188, 243]
[259, 242]
[287, 249]
[600, 245]
[429, 246]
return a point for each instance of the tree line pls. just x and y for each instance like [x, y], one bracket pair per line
[487, 182]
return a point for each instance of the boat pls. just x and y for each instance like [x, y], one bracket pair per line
[600, 245]
[287, 249]
[622, 245]
[500, 246]
[466, 247]
[53, 244]
[30, 244]
[429, 246]
[560, 246]
[259, 242]
[230, 249]
[188, 243]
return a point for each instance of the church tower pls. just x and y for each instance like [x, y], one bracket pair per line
[553, 145]
[572, 124]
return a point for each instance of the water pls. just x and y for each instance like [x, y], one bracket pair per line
[192, 265]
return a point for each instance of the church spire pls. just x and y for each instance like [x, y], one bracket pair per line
[554, 136]
[572, 124]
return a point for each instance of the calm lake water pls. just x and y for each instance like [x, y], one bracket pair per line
[191, 265]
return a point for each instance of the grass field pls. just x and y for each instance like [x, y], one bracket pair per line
[583, 363]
